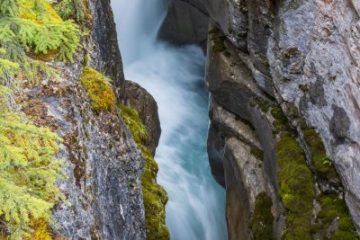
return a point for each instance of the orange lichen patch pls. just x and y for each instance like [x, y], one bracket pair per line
[99, 90]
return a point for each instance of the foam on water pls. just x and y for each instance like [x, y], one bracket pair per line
[174, 76]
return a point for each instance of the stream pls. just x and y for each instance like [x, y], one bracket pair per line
[174, 76]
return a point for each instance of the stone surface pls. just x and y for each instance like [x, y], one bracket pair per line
[102, 163]
[140, 99]
[302, 56]
[184, 24]
[107, 55]
[244, 181]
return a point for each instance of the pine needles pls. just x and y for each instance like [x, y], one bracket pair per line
[36, 27]
[28, 171]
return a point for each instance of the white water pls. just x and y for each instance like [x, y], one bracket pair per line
[174, 76]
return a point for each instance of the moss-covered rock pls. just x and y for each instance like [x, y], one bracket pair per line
[296, 187]
[262, 219]
[322, 163]
[155, 197]
[77, 10]
[218, 39]
[334, 210]
[258, 153]
[99, 90]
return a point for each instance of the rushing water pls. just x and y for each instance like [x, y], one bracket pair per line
[174, 76]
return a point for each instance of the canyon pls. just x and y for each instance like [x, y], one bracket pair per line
[199, 119]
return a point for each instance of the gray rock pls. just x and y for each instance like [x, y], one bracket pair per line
[303, 55]
[244, 181]
[184, 24]
[140, 99]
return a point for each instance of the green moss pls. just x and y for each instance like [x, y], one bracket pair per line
[155, 197]
[258, 153]
[293, 110]
[262, 220]
[263, 104]
[99, 90]
[296, 187]
[218, 44]
[218, 39]
[281, 122]
[334, 208]
[322, 163]
[133, 121]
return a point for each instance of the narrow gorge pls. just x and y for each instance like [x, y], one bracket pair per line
[179, 119]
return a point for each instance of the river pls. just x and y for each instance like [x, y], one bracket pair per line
[174, 76]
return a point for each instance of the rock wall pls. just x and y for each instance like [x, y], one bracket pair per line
[103, 165]
[284, 84]
[185, 24]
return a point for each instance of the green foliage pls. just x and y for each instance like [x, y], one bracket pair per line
[262, 220]
[37, 28]
[296, 187]
[155, 197]
[28, 171]
[7, 67]
[78, 10]
[99, 90]
[8, 8]
[32, 32]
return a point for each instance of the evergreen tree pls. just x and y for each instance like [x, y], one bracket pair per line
[28, 171]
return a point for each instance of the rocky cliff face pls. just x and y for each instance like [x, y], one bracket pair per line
[103, 165]
[284, 134]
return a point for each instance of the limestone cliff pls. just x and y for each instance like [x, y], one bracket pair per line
[284, 134]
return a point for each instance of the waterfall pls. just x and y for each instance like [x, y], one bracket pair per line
[174, 76]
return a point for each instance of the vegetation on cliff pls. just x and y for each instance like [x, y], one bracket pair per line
[155, 197]
[30, 27]
[262, 218]
[297, 184]
[31, 33]
[77, 10]
[99, 89]
[296, 187]
[28, 173]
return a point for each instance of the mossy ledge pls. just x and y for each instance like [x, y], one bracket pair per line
[333, 206]
[322, 163]
[296, 187]
[99, 89]
[262, 219]
[155, 197]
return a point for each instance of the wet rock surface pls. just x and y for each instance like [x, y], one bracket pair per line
[280, 70]
[140, 99]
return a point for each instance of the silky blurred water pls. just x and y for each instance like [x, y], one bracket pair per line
[174, 76]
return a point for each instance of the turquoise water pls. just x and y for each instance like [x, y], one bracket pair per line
[174, 76]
